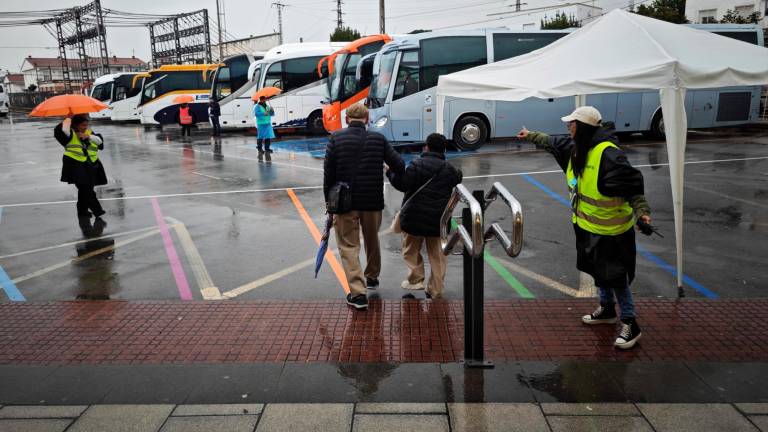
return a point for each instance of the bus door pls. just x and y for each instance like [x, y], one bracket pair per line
[628, 111]
[408, 104]
[274, 78]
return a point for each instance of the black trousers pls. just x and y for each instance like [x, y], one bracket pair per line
[86, 200]
[186, 130]
[216, 125]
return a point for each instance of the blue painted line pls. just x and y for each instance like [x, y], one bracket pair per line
[559, 198]
[644, 252]
[10, 289]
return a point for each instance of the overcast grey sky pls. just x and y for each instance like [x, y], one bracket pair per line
[312, 20]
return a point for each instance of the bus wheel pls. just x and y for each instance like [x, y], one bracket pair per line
[315, 123]
[470, 133]
[657, 128]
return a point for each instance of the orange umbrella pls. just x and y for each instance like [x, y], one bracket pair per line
[183, 99]
[267, 92]
[67, 105]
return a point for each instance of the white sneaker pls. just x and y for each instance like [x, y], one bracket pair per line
[409, 286]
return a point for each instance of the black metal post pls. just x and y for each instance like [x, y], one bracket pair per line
[466, 220]
[474, 299]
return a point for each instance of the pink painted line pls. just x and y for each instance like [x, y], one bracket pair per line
[170, 250]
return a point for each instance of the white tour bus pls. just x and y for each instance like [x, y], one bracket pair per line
[405, 72]
[294, 70]
[102, 91]
[126, 94]
[162, 86]
[233, 90]
[120, 92]
[233, 86]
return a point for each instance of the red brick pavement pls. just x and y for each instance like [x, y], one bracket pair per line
[390, 331]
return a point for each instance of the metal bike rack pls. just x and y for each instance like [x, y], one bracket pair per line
[471, 232]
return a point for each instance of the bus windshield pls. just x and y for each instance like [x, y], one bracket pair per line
[382, 78]
[334, 81]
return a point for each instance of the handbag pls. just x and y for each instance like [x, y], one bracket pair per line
[340, 194]
[395, 227]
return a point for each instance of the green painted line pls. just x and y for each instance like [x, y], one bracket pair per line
[522, 291]
[502, 271]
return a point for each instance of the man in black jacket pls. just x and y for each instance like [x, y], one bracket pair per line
[356, 157]
[428, 183]
[214, 112]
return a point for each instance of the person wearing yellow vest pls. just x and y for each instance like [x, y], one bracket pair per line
[80, 164]
[607, 198]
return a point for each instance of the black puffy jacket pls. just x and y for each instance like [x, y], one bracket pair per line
[421, 215]
[355, 149]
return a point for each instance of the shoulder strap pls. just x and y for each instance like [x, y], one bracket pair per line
[445, 164]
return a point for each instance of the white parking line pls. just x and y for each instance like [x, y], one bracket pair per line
[550, 283]
[195, 260]
[267, 279]
[174, 195]
[206, 175]
[47, 248]
[80, 258]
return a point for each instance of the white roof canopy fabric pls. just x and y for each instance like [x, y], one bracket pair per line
[621, 52]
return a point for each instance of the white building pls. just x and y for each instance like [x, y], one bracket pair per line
[583, 13]
[251, 44]
[47, 73]
[712, 11]
[13, 83]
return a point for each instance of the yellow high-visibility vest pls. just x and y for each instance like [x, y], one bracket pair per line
[593, 211]
[74, 148]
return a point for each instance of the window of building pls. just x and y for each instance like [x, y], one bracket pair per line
[407, 75]
[745, 11]
[444, 55]
[708, 16]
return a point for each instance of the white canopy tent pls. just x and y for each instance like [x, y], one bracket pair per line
[621, 52]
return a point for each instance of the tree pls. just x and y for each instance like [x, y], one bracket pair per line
[32, 87]
[733, 17]
[559, 22]
[345, 34]
[666, 10]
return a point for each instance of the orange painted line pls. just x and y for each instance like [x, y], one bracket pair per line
[329, 256]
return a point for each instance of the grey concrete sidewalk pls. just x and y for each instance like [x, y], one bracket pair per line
[371, 417]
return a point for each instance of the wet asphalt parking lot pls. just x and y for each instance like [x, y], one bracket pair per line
[205, 217]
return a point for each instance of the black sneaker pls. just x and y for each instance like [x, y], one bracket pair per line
[359, 301]
[601, 315]
[270, 151]
[371, 283]
[629, 334]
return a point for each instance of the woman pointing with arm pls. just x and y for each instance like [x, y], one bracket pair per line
[606, 200]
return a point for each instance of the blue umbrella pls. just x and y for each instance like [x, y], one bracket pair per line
[323, 244]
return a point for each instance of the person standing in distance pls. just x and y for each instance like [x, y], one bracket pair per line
[214, 112]
[80, 164]
[265, 133]
[356, 157]
[607, 196]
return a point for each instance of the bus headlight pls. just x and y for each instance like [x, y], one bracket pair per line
[380, 123]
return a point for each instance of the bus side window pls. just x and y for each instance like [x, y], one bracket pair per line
[299, 72]
[274, 77]
[444, 55]
[120, 93]
[508, 45]
[407, 75]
